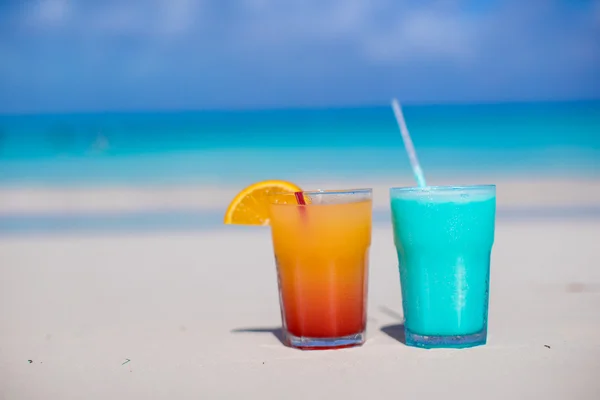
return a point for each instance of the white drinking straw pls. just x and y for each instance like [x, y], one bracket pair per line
[408, 144]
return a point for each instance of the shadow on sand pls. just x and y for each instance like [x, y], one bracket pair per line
[395, 331]
[277, 332]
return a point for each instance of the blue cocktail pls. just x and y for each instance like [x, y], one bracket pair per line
[444, 237]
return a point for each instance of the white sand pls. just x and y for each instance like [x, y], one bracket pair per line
[79, 307]
[511, 192]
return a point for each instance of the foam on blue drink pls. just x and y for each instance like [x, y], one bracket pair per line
[449, 194]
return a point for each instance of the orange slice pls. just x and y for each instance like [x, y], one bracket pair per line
[251, 205]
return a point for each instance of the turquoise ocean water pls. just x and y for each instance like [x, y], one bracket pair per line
[242, 146]
[523, 140]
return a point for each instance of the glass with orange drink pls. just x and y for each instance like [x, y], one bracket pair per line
[321, 241]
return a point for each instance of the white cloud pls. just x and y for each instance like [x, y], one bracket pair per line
[383, 31]
[141, 18]
[427, 33]
[178, 16]
[122, 20]
[51, 12]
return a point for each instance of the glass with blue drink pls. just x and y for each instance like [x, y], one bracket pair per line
[444, 237]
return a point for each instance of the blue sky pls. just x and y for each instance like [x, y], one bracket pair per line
[61, 55]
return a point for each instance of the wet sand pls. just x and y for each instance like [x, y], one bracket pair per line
[529, 192]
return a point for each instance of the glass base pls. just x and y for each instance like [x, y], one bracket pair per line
[448, 342]
[308, 343]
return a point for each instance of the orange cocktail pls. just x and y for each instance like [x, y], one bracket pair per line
[322, 256]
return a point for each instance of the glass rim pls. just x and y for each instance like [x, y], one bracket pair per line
[450, 188]
[353, 195]
[327, 192]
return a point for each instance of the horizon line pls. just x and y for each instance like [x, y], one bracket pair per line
[294, 108]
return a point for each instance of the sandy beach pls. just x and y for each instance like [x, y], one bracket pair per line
[165, 316]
